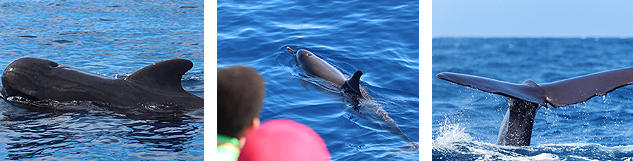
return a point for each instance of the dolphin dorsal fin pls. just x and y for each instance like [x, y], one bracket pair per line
[164, 74]
[351, 85]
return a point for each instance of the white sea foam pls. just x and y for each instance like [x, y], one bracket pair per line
[448, 135]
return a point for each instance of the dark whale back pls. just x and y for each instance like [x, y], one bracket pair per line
[155, 85]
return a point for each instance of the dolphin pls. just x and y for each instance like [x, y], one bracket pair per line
[526, 98]
[155, 87]
[370, 110]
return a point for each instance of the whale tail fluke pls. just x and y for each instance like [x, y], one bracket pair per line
[528, 91]
[351, 85]
[557, 94]
[582, 88]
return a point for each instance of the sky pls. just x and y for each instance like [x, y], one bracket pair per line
[532, 18]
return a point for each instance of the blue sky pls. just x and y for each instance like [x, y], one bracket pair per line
[535, 18]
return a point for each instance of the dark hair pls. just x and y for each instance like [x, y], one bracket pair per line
[240, 99]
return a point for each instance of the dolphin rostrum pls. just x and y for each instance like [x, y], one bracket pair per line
[526, 98]
[314, 66]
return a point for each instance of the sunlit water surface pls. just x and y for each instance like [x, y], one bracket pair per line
[379, 38]
[113, 39]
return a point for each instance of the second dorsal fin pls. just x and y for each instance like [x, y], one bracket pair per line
[166, 73]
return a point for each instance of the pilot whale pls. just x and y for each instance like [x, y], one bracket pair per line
[526, 98]
[154, 86]
[314, 66]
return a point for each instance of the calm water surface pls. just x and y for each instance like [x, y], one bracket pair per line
[379, 38]
[113, 39]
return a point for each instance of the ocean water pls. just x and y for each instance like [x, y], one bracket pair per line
[379, 38]
[466, 121]
[113, 39]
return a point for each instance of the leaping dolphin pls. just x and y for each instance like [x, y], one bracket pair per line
[314, 66]
[153, 87]
[526, 98]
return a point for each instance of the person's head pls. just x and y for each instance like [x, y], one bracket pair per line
[284, 139]
[240, 99]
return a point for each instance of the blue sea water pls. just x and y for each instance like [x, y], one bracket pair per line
[379, 38]
[113, 39]
[466, 121]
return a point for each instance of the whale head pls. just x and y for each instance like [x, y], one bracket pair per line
[31, 77]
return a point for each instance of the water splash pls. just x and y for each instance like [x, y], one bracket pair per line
[449, 134]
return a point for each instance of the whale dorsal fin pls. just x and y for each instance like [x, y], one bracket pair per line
[557, 94]
[164, 74]
[527, 91]
[351, 85]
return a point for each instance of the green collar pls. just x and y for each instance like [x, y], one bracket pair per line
[226, 139]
